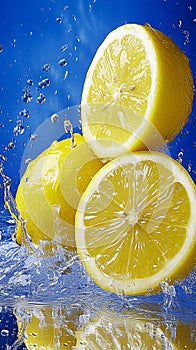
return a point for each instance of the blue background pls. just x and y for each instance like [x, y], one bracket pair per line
[33, 33]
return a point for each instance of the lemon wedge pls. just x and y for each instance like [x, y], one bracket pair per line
[136, 223]
[138, 92]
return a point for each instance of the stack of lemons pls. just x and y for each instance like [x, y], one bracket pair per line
[128, 208]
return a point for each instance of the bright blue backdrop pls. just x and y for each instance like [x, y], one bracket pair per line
[33, 33]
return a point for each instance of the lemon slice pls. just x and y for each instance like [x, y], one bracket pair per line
[137, 93]
[136, 223]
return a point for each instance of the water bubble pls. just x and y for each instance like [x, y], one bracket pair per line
[1, 48]
[2, 157]
[19, 128]
[14, 43]
[41, 98]
[77, 39]
[1, 111]
[30, 82]
[65, 75]
[59, 20]
[54, 118]
[190, 8]
[24, 113]
[64, 47]
[27, 96]
[194, 20]
[189, 168]
[11, 145]
[33, 137]
[4, 333]
[62, 62]
[43, 83]
[66, 8]
[74, 18]
[1, 125]
[180, 23]
[46, 67]
[28, 160]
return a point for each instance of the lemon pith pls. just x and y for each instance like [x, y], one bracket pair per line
[135, 223]
[137, 93]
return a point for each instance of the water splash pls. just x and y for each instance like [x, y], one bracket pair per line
[12, 207]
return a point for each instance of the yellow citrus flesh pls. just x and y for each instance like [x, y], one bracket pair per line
[136, 224]
[49, 191]
[50, 329]
[109, 330]
[137, 93]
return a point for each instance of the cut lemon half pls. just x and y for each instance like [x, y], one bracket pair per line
[137, 93]
[136, 223]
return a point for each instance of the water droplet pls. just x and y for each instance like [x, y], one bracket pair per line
[3, 158]
[1, 48]
[14, 43]
[27, 96]
[54, 118]
[19, 128]
[11, 145]
[68, 127]
[28, 160]
[33, 137]
[41, 98]
[30, 82]
[59, 19]
[62, 62]
[24, 113]
[46, 67]
[63, 48]
[66, 8]
[77, 39]
[4, 333]
[43, 83]
[189, 168]
[66, 74]
[74, 18]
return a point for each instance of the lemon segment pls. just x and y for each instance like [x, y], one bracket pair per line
[137, 93]
[49, 191]
[135, 223]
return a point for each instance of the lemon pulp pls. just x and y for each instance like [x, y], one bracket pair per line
[135, 223]
[137, 93]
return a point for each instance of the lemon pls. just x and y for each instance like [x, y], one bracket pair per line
[136, 223]
[49, 191]
[138, 92]
[134, 331]
[49, 328]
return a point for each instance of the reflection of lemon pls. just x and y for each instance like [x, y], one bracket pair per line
[109, 330]
[50, 189]
[138, 91]
[136, 223]
[50, 328]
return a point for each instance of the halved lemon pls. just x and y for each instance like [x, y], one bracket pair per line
[136, 223]
[138, 92]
